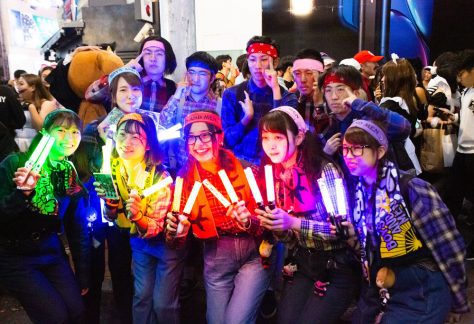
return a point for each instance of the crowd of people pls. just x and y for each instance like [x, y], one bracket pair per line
[302, 182]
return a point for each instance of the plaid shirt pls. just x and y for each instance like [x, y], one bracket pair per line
[169, 117]
[244, 140]
[315, 230]
[162, 94]
[436, 226]
[157, 204]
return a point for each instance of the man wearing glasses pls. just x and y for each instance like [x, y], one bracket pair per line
[192, 94]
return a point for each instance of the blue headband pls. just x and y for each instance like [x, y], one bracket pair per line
[201, 64]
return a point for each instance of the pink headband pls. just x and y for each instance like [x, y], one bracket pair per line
[295, 115]
[205, 117]
[373, 130]
[153, 43]
[308, 64]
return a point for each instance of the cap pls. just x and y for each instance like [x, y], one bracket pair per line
[350, 62]
[367, 56]
[327, 59]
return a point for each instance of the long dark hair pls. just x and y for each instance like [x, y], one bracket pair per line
[310, 149]
[400, 81]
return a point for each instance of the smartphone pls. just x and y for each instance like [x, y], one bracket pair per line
[107, 183]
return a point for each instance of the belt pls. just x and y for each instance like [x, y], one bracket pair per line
[33, 236]
[230, 234]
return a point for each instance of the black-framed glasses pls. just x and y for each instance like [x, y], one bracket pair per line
[356, 150]
[203, 137]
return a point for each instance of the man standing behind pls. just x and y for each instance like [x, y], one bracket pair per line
[243, 105]
[156, 60]
[11, 118]
[369, 64]
[194, 93]
[306, 69]
[227, 72]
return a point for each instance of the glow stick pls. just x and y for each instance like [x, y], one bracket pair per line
[216, 193]
[180, 228]
[253, 186]
[192, 198]
[326, 196]
[37, 152]
[178, 189]
[170, 133]
[156, 187]
[140, 178]
[42, 158]
[269, 184]
[228, 186]
[340, 197]
[106, 154]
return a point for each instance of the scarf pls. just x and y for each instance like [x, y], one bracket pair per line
[202, 218]
[123, 187]
[56, 180]
[390, 220]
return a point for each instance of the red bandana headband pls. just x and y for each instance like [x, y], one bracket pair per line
[262, 48]
[334, 78]
[205, 117]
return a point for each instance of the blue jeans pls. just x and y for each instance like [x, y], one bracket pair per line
[235, 280]
[418, 296]
[157, 270]
[299, 303]
[38, 274]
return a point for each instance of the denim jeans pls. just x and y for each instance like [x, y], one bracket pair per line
[299, 303]
[38, 274]
[418, 296]
[235, 279]
[157, 270]
[119, 262]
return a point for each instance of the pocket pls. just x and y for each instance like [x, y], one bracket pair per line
[409, 290]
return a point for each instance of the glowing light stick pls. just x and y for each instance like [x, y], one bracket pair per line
[270, 186]
[216, 193]
[170, 133]
[228, 186]
[340, 197]
[192, 198]
[326, 196]
[44, 155]
[37, 159]
[254, 188]
[37, 152]
[156, 187]
[106, 154]
[178, 189]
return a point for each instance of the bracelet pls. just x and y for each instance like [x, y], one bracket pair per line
[111, 204]
[137, 218]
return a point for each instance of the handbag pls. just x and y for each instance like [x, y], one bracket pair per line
[431, 156]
